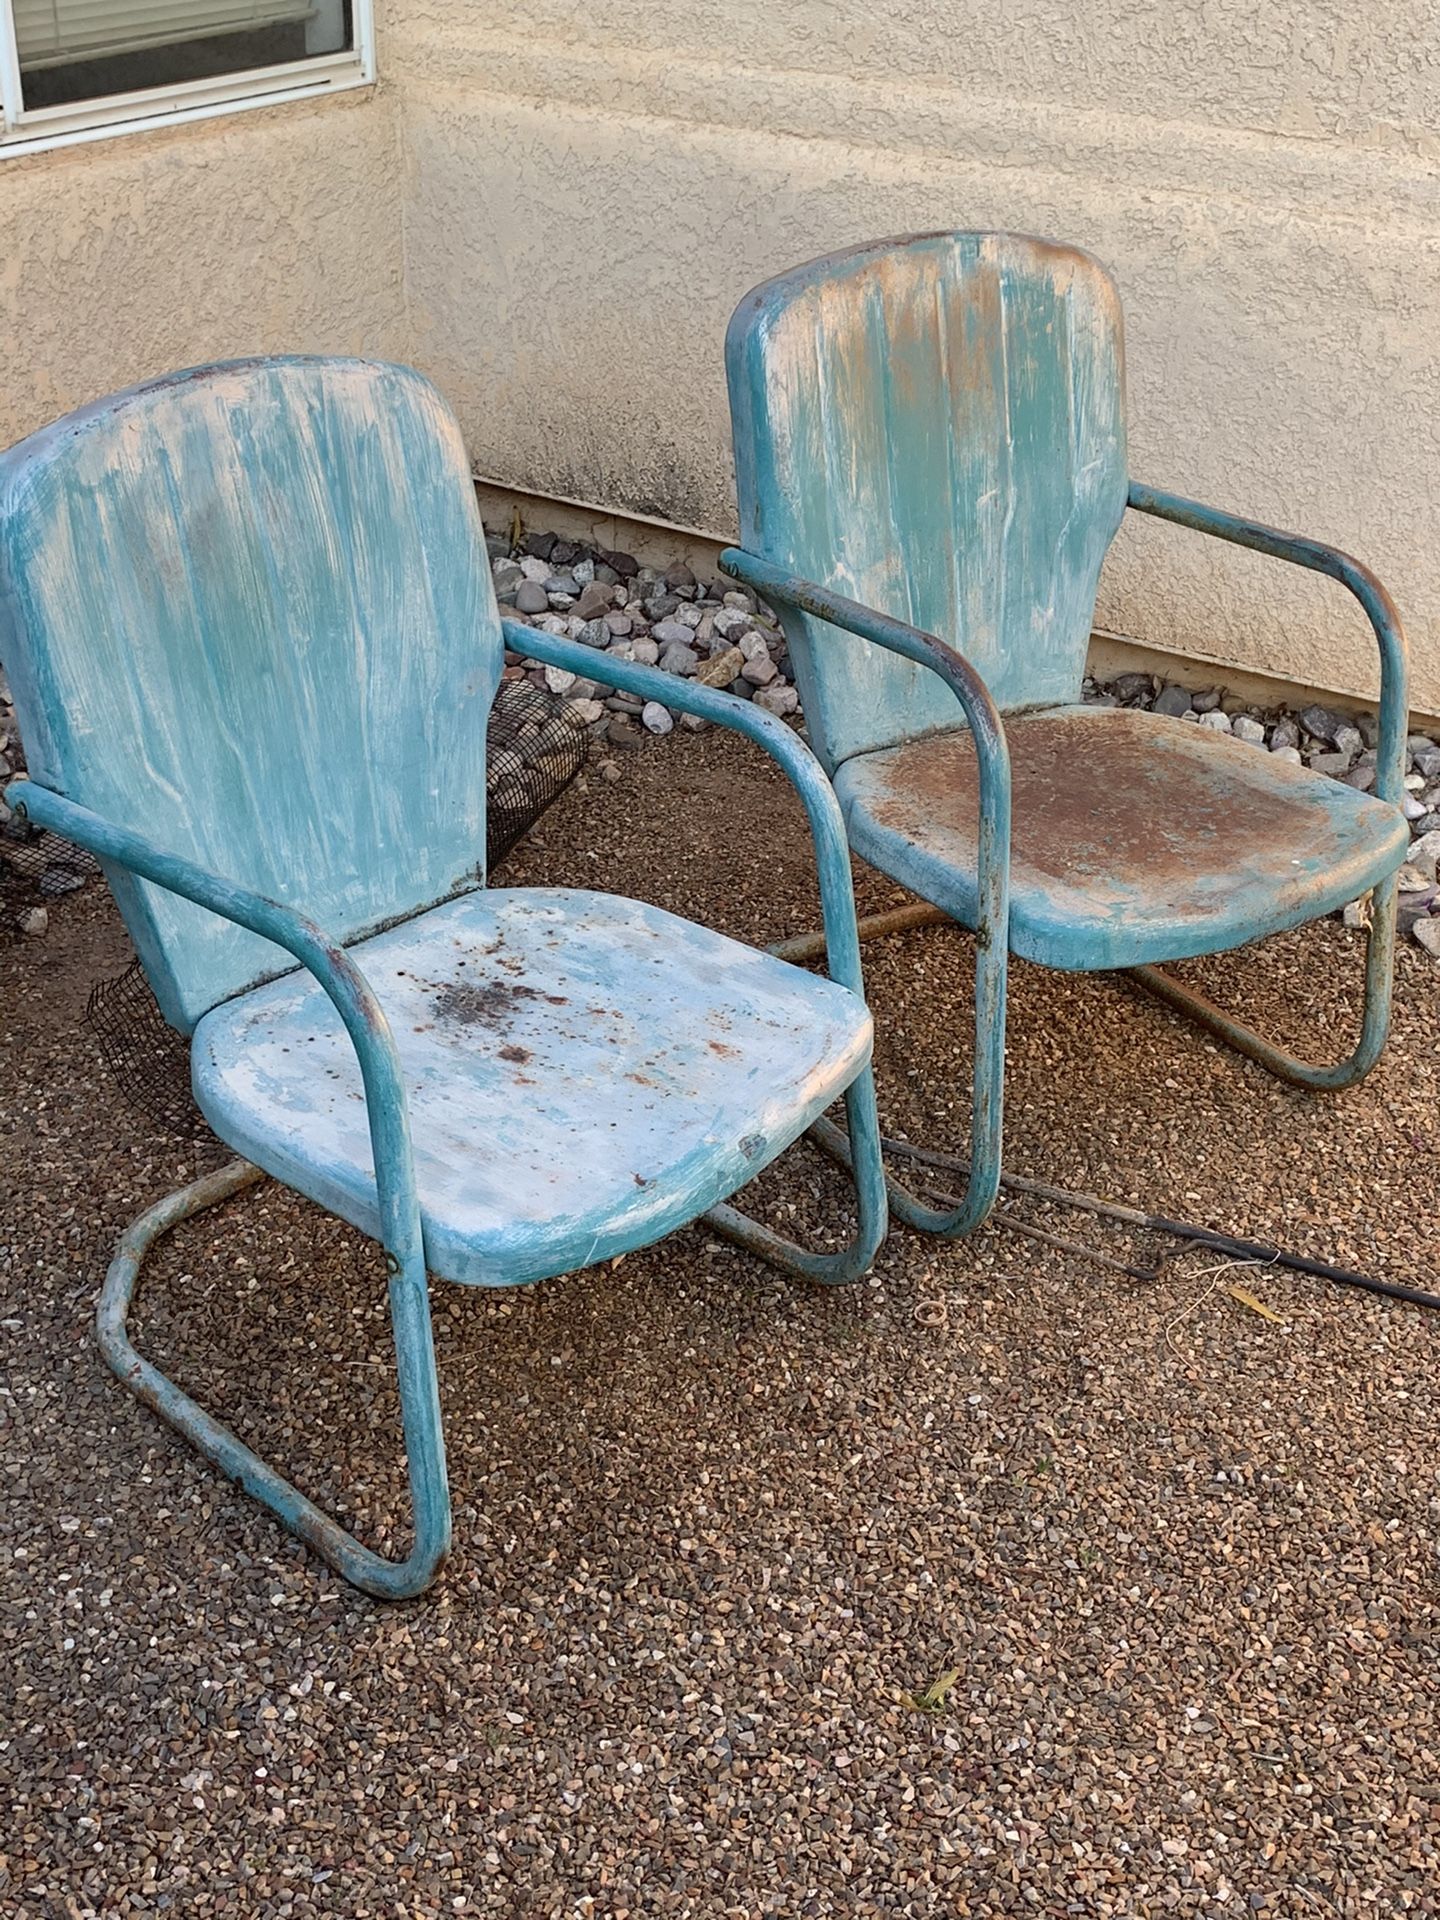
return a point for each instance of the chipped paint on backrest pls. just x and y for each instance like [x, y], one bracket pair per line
[934, 427]
[246, 612]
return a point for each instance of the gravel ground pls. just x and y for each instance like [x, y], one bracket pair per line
[1000, 1584]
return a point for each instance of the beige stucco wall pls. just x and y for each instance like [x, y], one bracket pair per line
[553, 210]
[251, 233]
[590, 190]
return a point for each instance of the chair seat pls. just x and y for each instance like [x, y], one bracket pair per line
[1135, 838]
[584, 1073]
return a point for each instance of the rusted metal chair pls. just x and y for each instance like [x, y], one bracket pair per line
[253, 641]
[931, 464]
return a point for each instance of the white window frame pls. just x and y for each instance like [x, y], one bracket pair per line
[42, 127]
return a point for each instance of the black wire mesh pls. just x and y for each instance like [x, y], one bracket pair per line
[148, 1060]
[36, 868]
[534, 747]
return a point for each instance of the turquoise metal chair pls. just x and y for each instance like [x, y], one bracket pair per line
[930, 460]
[249, 623]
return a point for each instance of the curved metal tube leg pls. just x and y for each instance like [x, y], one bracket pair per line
[1375, 1024]
[419, 1399]
[829, 1269]
[987, 1109]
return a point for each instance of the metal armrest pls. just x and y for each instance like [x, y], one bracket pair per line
[1300, 551]
[827, 827]
[992, 929]
[350, 992]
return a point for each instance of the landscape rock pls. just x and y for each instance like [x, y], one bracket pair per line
[1348, 740]
[1172, 702]
[1320, 722]
[595, 601]
[655, 718]
[731, 620]
[721, 668]
[779, 700]
[668, 633]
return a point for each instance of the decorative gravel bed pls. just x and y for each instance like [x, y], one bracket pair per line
[1001, 1584]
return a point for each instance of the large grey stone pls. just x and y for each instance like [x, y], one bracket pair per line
[732, 620]
[1349, 740]
[1173, 701]
[595, 601]
[1424, 854]
[1321, 722]
[779, 700]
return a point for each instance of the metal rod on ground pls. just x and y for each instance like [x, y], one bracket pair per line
[810, 946]
[1256, 1250]
[1005, 1219]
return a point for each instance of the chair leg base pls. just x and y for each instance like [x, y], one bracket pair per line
[983, 1186]
[1375, 1020]
[853, 1262]
[363, 1568]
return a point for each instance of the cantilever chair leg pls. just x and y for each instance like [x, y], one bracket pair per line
[987, 1097]
[1375, 1022]
[985, 1167]
[419, 1399]
[829, 1269]
[415, 1358]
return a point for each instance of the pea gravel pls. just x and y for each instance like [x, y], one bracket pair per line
[999, 1584]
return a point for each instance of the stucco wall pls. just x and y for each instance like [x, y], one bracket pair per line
[589, 192]
[553, 209]
[250, 233]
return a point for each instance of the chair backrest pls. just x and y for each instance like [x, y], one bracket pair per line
[936, 427]
[246, 612]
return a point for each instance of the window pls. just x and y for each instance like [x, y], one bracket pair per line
[73, 69]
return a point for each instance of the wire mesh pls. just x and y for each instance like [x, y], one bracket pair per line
[36, 868]
[535, 746]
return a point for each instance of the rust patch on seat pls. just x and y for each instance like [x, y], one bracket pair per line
[1112, 803]
[491, 1005]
